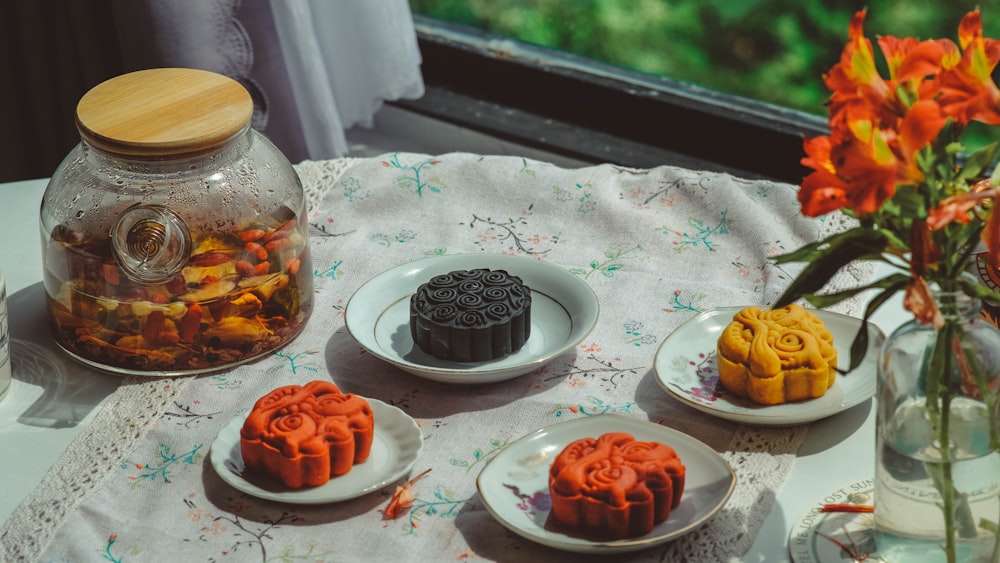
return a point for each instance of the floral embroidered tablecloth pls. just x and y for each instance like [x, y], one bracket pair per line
[657, 246]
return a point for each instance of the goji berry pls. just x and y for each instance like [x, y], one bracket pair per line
[190, 323]
[251, 234]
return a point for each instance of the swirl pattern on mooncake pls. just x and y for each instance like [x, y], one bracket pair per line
[777, 355]
[304, 435]
[471, 315]
[614, 487]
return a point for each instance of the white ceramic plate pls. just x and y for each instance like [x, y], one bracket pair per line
[812, 539]
[686, 367]
[514, 484]
[564, 309]
[395, 446]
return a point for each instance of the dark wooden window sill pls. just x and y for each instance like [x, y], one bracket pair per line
[600, 113]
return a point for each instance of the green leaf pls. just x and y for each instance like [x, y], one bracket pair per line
[907, 203]
[937, 367]
[828, 299]
[979, 291]
[861, 244]
[977, 163]
[813, 250]
[804, 253]
[893, 241]
[890, 286]
[926, 159]
[859, 346]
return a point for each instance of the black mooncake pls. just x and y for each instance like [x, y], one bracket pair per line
[471, 315]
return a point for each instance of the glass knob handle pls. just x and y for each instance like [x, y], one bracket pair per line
[151, 243]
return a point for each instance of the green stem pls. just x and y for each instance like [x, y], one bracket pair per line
[940, 390]
[947, 488]
[959, 521]
[988, 395]
[939, 410]
[996, 539]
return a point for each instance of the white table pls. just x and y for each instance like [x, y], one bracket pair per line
[838, 450]
[20, 259]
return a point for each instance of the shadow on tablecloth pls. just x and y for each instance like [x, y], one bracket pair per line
[69, 391]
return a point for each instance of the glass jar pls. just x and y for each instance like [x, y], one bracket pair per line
[937, 474]
[175, 236]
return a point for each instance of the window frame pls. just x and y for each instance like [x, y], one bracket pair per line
[597, 112]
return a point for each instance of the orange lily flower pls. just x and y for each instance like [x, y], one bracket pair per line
[921, 125]
[970, 35]
[991, 235]
[919, 301]
[855, 79]
[953, 209]
[868, 166]
[821, 191]
[909, 59]
[967, 90]
[874, 137]
[956, 208]
[871, 162]
[866, 176]
[914, 65]
[922, 249]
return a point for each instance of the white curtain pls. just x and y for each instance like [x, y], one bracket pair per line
[313, 67]
[344, 58]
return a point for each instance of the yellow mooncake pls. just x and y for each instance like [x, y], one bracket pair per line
[773, 356]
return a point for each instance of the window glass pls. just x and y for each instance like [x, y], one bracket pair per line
[770, 50]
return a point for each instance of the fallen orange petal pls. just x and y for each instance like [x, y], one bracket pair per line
[402, 499]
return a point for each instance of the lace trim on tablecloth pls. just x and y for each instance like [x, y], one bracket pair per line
[108, 440]
[319, 176]
[762, 459]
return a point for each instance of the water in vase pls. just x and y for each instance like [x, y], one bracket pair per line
[909, 523]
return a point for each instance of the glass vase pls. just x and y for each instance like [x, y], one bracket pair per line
[937, 476]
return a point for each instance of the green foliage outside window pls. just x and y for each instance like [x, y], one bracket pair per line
[770, 50]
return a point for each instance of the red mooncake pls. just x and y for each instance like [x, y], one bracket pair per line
[613, 487]
[302, 435]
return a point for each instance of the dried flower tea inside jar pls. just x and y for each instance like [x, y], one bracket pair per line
[175, 238]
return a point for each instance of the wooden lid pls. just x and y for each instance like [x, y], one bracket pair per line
[163, 112]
